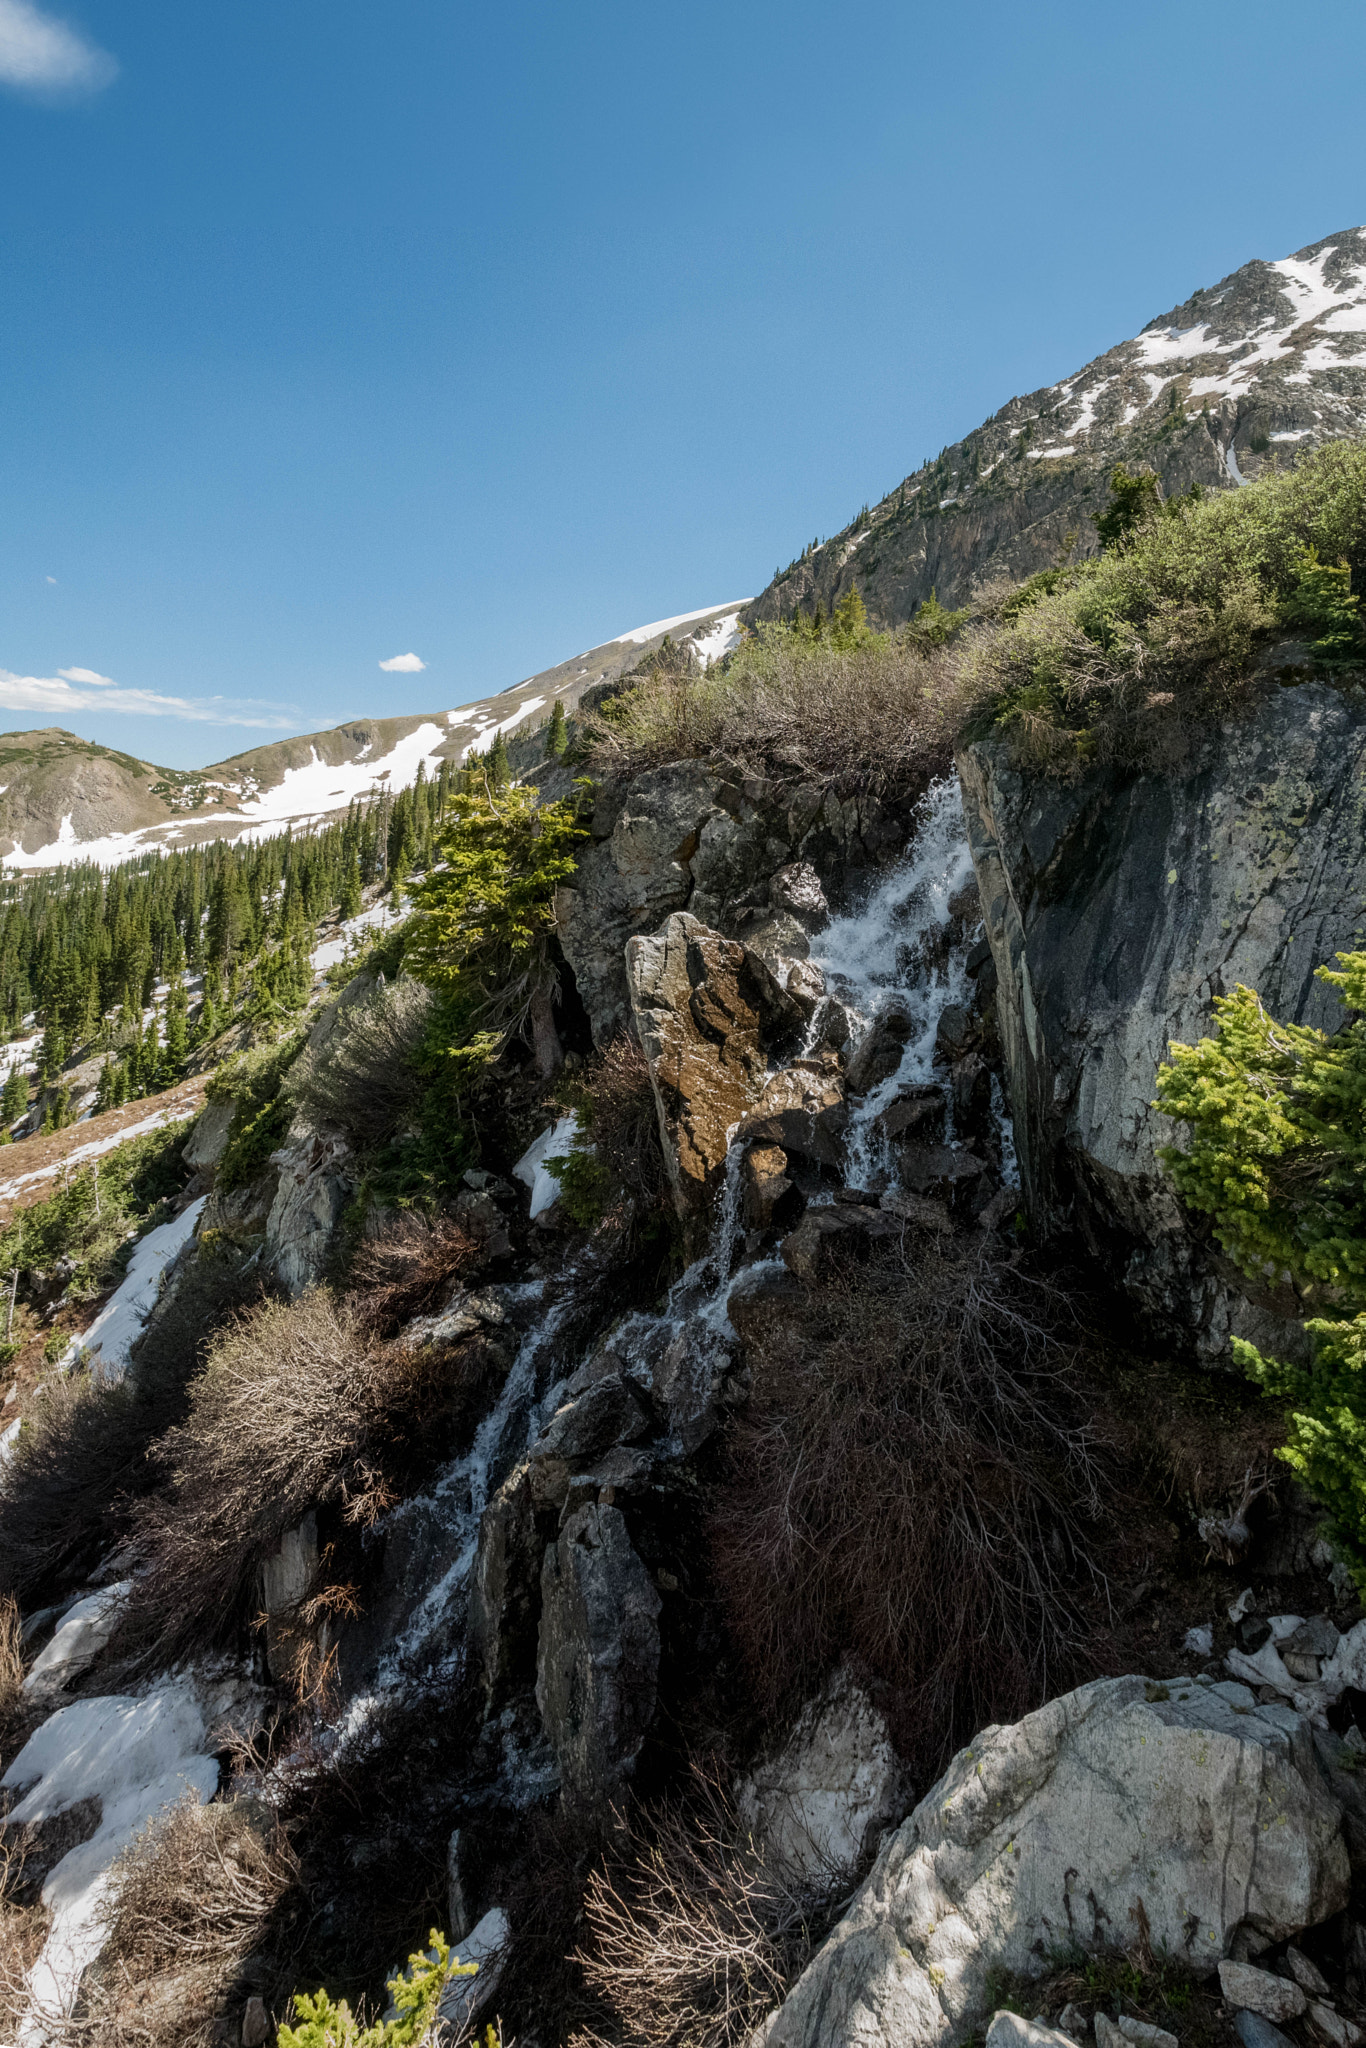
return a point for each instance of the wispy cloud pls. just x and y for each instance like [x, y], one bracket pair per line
[41, 54]
[84, 689]
[406, 664]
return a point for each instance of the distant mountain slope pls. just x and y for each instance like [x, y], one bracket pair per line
[1256, 369]
[64, 798]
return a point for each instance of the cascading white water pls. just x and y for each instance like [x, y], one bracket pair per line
[894, 945]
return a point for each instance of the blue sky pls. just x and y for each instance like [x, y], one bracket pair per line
[333, 332]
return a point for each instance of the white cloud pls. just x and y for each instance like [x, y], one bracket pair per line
[52, 579]
[405, 664]
[83, 689]
[41, 54]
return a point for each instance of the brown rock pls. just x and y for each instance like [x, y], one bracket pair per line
[766, 1191]
[801, 1111]
[917, 1113]
[707, 1011]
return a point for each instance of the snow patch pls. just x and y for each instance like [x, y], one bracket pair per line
[530, 1168]
[718, 640]
[120, 1322]
[136, 1757]
[97, 1146]
[639, 634]
[377, 919]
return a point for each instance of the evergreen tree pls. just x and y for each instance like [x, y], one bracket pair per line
[1277, 1156]
[1135, 498]
[499, 766]
[557, 734]
[177, 1030]
[350, 905]
[14, 1101]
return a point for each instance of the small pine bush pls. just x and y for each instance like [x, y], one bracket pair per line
[1277, 1156]
[416, 1995]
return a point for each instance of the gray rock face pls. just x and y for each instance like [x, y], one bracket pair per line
[706, 1012]
[598, 1659]
[309, 1198]
[1216, 1820]
[1117, 908]
[208, 1140]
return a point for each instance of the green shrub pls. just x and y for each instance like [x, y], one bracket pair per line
[1277, 1155]
[255, 1081]
[1129, 652]
[364, 1079]
[94, 1218]
[417, 1996]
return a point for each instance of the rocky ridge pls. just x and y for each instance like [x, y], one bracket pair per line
[1252, 371]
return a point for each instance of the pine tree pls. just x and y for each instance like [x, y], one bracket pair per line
[177, 1030]
[351, 899]
[499, 766]
[557, 734]
[14, 1101]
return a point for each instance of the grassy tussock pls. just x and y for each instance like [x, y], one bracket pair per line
[911, 1486]
[881, 715]
[298, 1406]
[1127, 656]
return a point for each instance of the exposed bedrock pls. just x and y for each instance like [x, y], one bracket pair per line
[1117, 908]
[1186, 1798]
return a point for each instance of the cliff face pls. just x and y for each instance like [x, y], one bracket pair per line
[1117, 908]
[1254, 370]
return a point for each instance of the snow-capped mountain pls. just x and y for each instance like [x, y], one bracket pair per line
[1252, 371]
[63, 798]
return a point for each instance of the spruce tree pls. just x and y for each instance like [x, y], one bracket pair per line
[557, 734]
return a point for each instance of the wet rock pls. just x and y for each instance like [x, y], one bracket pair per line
[761, 1295]
[767, 1195]
[459, 1919]
[607, 1413]
[834, 1030]
[806, 985]
[918, 1113]
[948, 1173]
[879, 1052]
[802, 1112]
[708, 1013]
[952, 1032]
[1254, 1990]
[821, 1803]
[503, 1589]
[798, 888]
[777, 938]
[970, 1088]
[1101, 1796]
[598, 1659]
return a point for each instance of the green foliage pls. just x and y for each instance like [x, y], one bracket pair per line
[89, 1218]
[585, 1186]
[934, 626]
[1320, 602]
[15, 1099]
[1135, 498]
[1277, 1155]
[417, 1996]
[1158, 635]
[483, 920]
[557, 734]
[255, 1082]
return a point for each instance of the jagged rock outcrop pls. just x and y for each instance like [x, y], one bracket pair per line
[1117, 908]
[740, 852]
[708, 1013]
[1186, 1797]
[598, 1663]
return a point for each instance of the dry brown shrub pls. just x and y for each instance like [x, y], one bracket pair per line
[11, 1656]
[875, 717]
[409, 1269]
[298, 1406]
[694, 1934]
[615, 1099]
[83, 1452]
[912, 1486]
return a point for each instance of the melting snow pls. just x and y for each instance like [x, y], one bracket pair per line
[530, 1168]
[640, 634]
[379, 918]
[10, 1188]
[135, 1757]
[718, 640]
[120, 1322]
